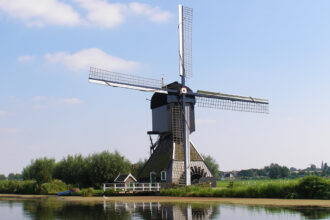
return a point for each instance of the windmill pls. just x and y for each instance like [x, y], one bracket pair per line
[174, 158]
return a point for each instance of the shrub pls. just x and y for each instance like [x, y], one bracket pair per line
[19, 187]
[53, 187]
[87, 192]
[313, 187]
[110, 192]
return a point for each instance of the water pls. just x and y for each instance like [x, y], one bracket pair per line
[58, 209]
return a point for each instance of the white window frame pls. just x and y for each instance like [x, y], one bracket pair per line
[161, 176]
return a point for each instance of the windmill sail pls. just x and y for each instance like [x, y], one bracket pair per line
[231, 102]
[127, 81]
[185, 35]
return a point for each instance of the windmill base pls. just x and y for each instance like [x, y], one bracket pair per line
[166, 165]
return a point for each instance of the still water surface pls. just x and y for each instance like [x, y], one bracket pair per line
[57, 209]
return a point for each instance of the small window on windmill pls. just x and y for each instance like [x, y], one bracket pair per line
[163, 175]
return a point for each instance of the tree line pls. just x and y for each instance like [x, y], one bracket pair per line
[83, 171]
[92, 170]
[275, 171]
[11, 176]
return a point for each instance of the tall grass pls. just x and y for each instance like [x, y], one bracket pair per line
[31, 187]
[18, 187]
[306, 188]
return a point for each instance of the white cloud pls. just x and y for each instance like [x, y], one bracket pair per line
[25, 59]
[85, 58]
[102, 13]
[154, 14]
[41, 12]
[3, 113]
[98, 12]
[38, 98]
[71, 101]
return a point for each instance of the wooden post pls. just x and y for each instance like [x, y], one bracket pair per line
[142, 186]
[103, 187]
[149, 186]
[114, 186]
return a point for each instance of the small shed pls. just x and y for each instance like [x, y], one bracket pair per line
[127, 179]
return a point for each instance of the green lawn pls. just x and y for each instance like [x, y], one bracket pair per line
[246, 183]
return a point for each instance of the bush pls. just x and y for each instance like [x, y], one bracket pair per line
[313, 187]
[110, 192]
[19, 187]
[87, 192]
[53, 187]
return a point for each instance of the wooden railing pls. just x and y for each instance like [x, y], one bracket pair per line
[140, 187]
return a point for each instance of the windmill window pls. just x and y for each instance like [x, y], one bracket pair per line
[163, 175]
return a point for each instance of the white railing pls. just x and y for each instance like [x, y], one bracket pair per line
[132, 187]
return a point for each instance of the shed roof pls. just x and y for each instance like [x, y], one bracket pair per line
[121, 178]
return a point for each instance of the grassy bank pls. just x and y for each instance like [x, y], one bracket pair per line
[32, 187]
[305, 188]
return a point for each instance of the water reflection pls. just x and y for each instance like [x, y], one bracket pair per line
[156, 210]
[59, 209]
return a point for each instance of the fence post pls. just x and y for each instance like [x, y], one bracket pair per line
[103, 187]
[149, 186]
[142, 186]
[114, 186]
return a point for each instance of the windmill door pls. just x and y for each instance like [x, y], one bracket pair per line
[152, 177]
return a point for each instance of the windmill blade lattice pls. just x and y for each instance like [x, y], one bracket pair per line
[231, 102]
[122, 80]
[187, 41]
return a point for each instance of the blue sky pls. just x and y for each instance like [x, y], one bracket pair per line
[269, 49]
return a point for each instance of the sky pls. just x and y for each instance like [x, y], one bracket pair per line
[279, 50]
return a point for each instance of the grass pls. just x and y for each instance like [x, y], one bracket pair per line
[245, 183]
[311, 187]
[306, 188]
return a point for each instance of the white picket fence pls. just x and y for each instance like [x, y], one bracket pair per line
[135, 187]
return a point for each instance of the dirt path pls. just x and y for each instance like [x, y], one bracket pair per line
[241, 201]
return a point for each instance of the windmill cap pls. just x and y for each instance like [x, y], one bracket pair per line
[160, 99]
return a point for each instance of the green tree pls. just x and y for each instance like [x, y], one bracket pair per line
[137, 167]
[40, 170]
[246, 173]
[313, 187]
[285, 172]
[11, 176]
[104, 167]
[212, 165]
[313, 167]
[73, 170]
[261, 172]
[2, 177]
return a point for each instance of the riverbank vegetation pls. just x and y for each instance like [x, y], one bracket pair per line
[88, 173]
[311, 187]
[77, 170]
